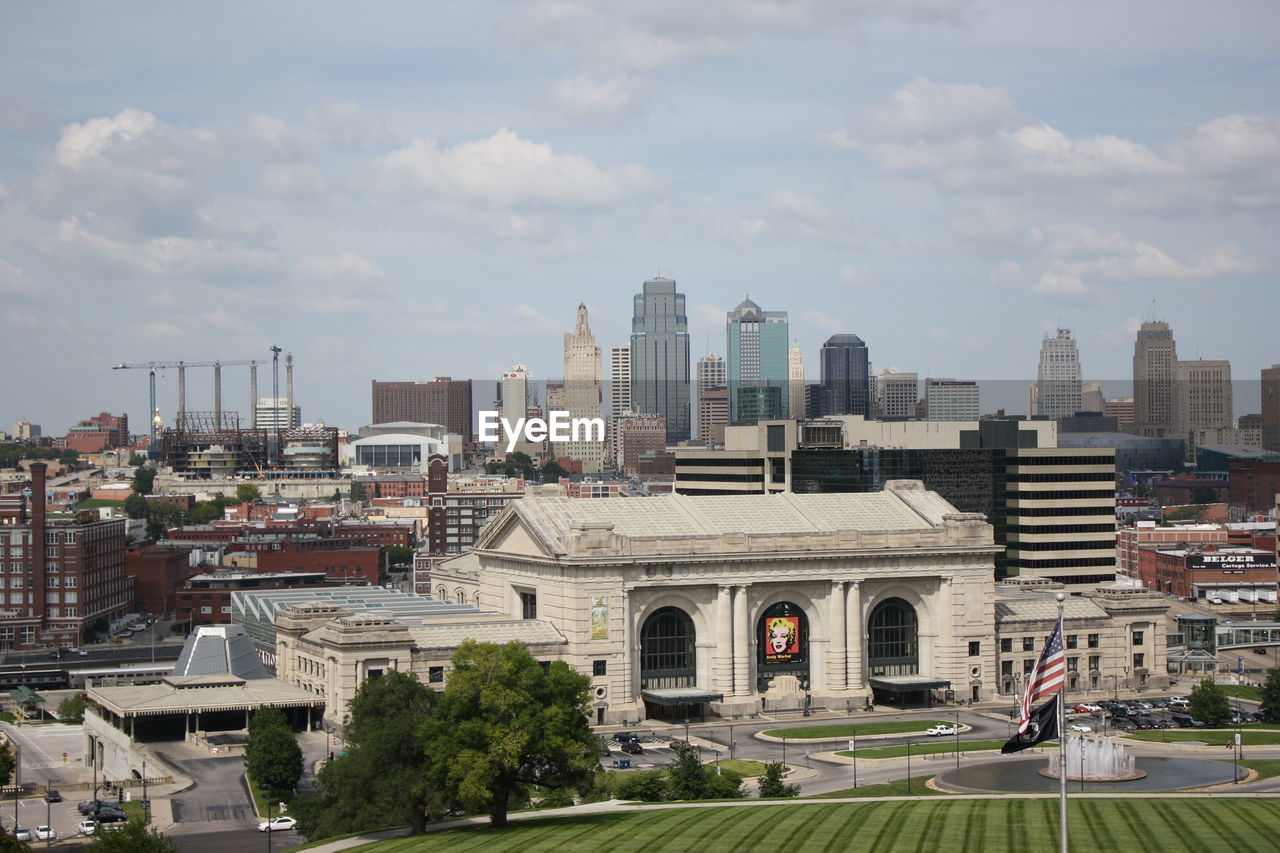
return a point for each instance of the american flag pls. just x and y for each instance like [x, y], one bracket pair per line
[1047, 677]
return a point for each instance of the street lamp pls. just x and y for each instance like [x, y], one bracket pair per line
[908, 766]
[686, 730]
[957, 740]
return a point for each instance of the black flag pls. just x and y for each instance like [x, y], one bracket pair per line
[1042, 726]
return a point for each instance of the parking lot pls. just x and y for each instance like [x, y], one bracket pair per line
[1137, 715]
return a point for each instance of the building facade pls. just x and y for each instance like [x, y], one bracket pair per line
[1155, 358]
[845, 368]
[951, 400]
[1270, 415]
[660, 356]
[795, 381]
[757, 353]
[583, 392]
[1058, 380]
[897, 394]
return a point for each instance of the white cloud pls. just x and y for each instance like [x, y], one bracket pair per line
[1008, 272]
[504, 171]
[923, 108]
[14, 282]
[792, 216]
[160, 256]
[526, 312]
[592, 98]
[1150, 263]
[1060, 285]
[294, 180]
[347, 265]
[855, 276]
[347, 124]
[823, 321]
[272, 139]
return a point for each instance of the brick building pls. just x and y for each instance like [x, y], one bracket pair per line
[642, 437]
[65, 575]
[1252, 485]
[1130, 542]
[1180, 491]
[95, 433]
[443, 401]
[206, 599]
[1216, 574]
[157, 572]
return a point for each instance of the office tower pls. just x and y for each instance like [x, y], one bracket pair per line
[25, 430]
[757, 344]
[444, 401]
[1058, 384]
[619, 398]
[273, 413]
[951, 400]
[897, 393]
[1091, 399]
[399, 401]
[517, 398]
[845, 365]
[1120, 408]
[713, 414]
[1202, 393]
[660, 356]
[642, 444]
[712, 372]
[582, 391]
[1155, 357]
[795, 381]
[1271, 407]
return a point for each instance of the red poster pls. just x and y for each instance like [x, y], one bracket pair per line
[782, 639]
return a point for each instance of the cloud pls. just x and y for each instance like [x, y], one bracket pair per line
[347, 265]
[1144, 262]
[793, 216]
[299, 181]
[14, 282]
[347, 124]
[504, 171]
[923, 108]
[1060, 285]
[855, 276]
[272, 139]
[526, 312]
[592, 98]
[202, 258]
[1008, 272]
[823, 321]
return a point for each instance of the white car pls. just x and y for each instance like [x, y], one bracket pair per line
[1092, 709]
[940, 730]
[1081, 729]
[45, 833]
[87, 827]
[276, 824]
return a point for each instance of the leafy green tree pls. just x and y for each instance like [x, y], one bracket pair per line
[771, 784]
[552, 472]
[649, 786]
[135, 506]
[6, 763]
[398, 555]
[71, 709]
[1271, 694]
[379, 782]
[1209, 702]
[503, 725]
[133, 837]
[247, 493]
[357, 491]
[725, 785]
[337, 496]
[9, 844]
[137, 460]
[143, 479]
[1204, 495]
[276, 763]
[687, 777]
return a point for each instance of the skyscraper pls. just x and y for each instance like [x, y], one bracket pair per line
[897, 394]
[1271, 407]
[712, 376]
[443, 401]
[582, 397]
[1202, 394]
[845, 365]
[619, 398]
[795, 381]
[1058, 383]
[660, 356]
[517, 398]
[1155, 357]
[757, 353]
[951, 399]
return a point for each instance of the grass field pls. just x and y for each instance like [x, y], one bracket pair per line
[98, 503]
[851, 729]
[896, 788]
[1266, 767]
[1213, 737]
[942, 824]
[742, 766]
[1242, 691]
[928, 747]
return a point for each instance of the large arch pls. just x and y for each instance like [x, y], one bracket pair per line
[893, 639]
[782, 645]
[668, 650]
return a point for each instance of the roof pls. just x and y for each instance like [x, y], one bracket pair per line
[1046, 610]
[447, 635]
[219, 650]
[201, 694]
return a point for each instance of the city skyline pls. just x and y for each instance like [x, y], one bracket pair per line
[377, 195]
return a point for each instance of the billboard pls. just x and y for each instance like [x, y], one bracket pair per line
[782, 639]
[600, 617]
[1231, 563]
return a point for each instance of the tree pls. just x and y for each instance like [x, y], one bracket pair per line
[357, 491]
[1209, 702]
[135, 506]
[337, 496]
[272, 756]
[71, 709]
[247, 493]
[133, 837]
[649, 786]
[137, 460]
[6, 763]
[552, 472]
[1204, 495]
[398, 555]
[143, 479]
[771, 784]
[379, 782]
[9, 844]
[1271, 694]
[688, 779]
[506, 723]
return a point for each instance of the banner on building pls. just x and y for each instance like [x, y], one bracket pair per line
[782, 639]
[600, 617]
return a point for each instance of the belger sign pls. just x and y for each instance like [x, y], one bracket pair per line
[1231, 561]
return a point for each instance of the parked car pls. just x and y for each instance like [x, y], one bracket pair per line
[1261, 650]
[1143, 723]
[680, 744]
[1080, 728]
[110, 814]
[1186, 721]
[1092, 709]
[52, 796]
[1160, 703]
[1180, 704]
[632, 747]
[87, 827]
[277, 824]
[1081, 709]
[45, 833]
[1259, 716]
[625, 737]
[21, 833]
[90, 805]
[1123, 724]
[940, 730]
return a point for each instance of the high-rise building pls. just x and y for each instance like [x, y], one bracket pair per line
[273, 413]
[757, 352]
[897, 393]
[518, 398]
[102, 431]
[619, 399]
[1120, 408]
[712, 378]
[642, 444]
[712, 372]
[582, 391]
[951, 400]
[660, 356]
[1058, 383]
[1155, 357]
[795, 381]
[1271, 407]
[1091, 398]
[444, 401]
[846, 367]
[1203, 395]
[25, 430]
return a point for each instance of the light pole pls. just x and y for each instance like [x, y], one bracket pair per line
[146, 803]
[957, 740]
[686, 730]
[908, 766]
[853, 743]
[784, 750]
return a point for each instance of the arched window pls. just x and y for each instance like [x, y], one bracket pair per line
[667, 656]
[893, 646]
[782, 645]
[459, 596]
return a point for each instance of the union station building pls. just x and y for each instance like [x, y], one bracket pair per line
[685, 607]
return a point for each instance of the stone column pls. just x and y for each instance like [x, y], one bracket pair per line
[741, 643]
[630, 654]
[855, 637]
[723, 660]
[837, 648]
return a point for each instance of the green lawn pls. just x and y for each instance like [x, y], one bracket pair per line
[956, 826]
[743, 766]
[896, 788]
[851, 729]
[1266, 767]
[1214, 737]
[98, 503]
[1242, 691]
[931, 746]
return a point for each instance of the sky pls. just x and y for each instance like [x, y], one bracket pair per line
[403, 190]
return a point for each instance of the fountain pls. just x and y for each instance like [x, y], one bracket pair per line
[1095, 759]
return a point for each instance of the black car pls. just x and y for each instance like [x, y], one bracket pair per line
[625, 737]
[110, 814]
[632, 747]
[89, 805]
[1124, 725]
[52, 796]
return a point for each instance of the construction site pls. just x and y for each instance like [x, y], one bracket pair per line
[219, 445]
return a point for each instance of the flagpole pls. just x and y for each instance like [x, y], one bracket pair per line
[1062, 739]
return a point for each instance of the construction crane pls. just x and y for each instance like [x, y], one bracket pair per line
[153, 366]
